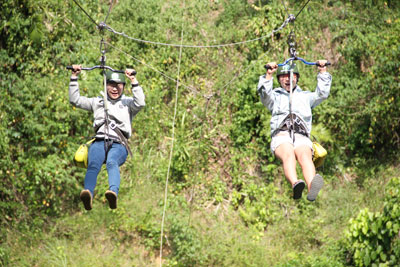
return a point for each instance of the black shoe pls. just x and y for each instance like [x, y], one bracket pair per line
[298, 189]
[316, 184]
[87, 199]
[112, 199]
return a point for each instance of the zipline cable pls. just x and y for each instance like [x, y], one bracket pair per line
[85, 12]
[195, 91]
[103, 25]
[289, 19]
[199, 46]
[172, 149]
[302, 8]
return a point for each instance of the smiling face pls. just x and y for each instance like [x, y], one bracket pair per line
[114, 90]
[284, 81]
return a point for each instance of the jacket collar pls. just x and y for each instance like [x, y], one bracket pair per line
[283, 91]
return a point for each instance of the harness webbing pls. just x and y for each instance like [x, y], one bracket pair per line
[293, 124]
[291, 130]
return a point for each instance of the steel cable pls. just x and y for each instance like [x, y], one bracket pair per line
[198, 46]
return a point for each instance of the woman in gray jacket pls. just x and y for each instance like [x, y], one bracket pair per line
[290, 131]
[110, 146]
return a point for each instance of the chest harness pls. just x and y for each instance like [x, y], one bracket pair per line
[292, 124]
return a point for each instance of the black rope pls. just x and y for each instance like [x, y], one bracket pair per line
[302, 8]
[85, 12]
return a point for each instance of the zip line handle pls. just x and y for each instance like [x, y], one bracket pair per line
[102, 67]
[297, 58]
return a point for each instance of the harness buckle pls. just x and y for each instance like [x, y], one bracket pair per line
[113, 125]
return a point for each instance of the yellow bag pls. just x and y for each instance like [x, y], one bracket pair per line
[319, 154]
[81, 155]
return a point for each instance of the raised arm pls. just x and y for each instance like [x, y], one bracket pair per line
[324, 81]
[265, 85]
[75, 97]
[138, 96]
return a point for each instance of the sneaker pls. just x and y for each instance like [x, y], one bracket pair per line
[112, 199]
[298, 189]
[316, 184]
[87, 199]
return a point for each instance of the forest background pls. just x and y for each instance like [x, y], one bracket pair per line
[228, 203]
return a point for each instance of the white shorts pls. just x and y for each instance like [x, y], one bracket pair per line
[284, 137]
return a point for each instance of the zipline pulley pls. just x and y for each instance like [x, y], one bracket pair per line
[103, 53]
[101, 26]
[292, 44]
[291, 18]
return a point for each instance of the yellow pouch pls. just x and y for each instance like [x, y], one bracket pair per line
[319, 154]
[81, 155]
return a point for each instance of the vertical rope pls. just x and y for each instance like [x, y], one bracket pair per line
[172, 149]
[290, 101]
[287, 12]
[109, 10]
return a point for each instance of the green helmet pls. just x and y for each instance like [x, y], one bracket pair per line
[115, 77]
[285, 69]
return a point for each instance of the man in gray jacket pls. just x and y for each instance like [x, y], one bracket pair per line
[290, 131]
[112, 126]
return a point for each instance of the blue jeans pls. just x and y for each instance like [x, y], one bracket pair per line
[115, 158]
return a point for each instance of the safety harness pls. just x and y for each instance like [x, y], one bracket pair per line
[292, 124]
[109, 139]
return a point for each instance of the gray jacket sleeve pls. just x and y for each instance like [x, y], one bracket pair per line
[264, 88]
[324, 81]
[137, 102]
[76, 99]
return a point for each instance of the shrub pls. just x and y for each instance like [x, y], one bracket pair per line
[373, 237]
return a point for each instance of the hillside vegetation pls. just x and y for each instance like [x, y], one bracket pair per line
[228, 203]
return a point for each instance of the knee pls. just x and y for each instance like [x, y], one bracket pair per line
[93, 164]
[112, 164]
[289, 157]
[304, 158]
[286, 156]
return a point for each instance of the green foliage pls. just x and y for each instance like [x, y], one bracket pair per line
[221, 148]
[365, 107]
[144, 226]
[249, 119]
[256, 204]
[185, 244]
[186, 152]
[373, 236]
[4, 256]
[311, 261]
[218, 190]
[38, 128]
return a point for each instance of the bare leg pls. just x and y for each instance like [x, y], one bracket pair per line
[286, 154]
[304, 157]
